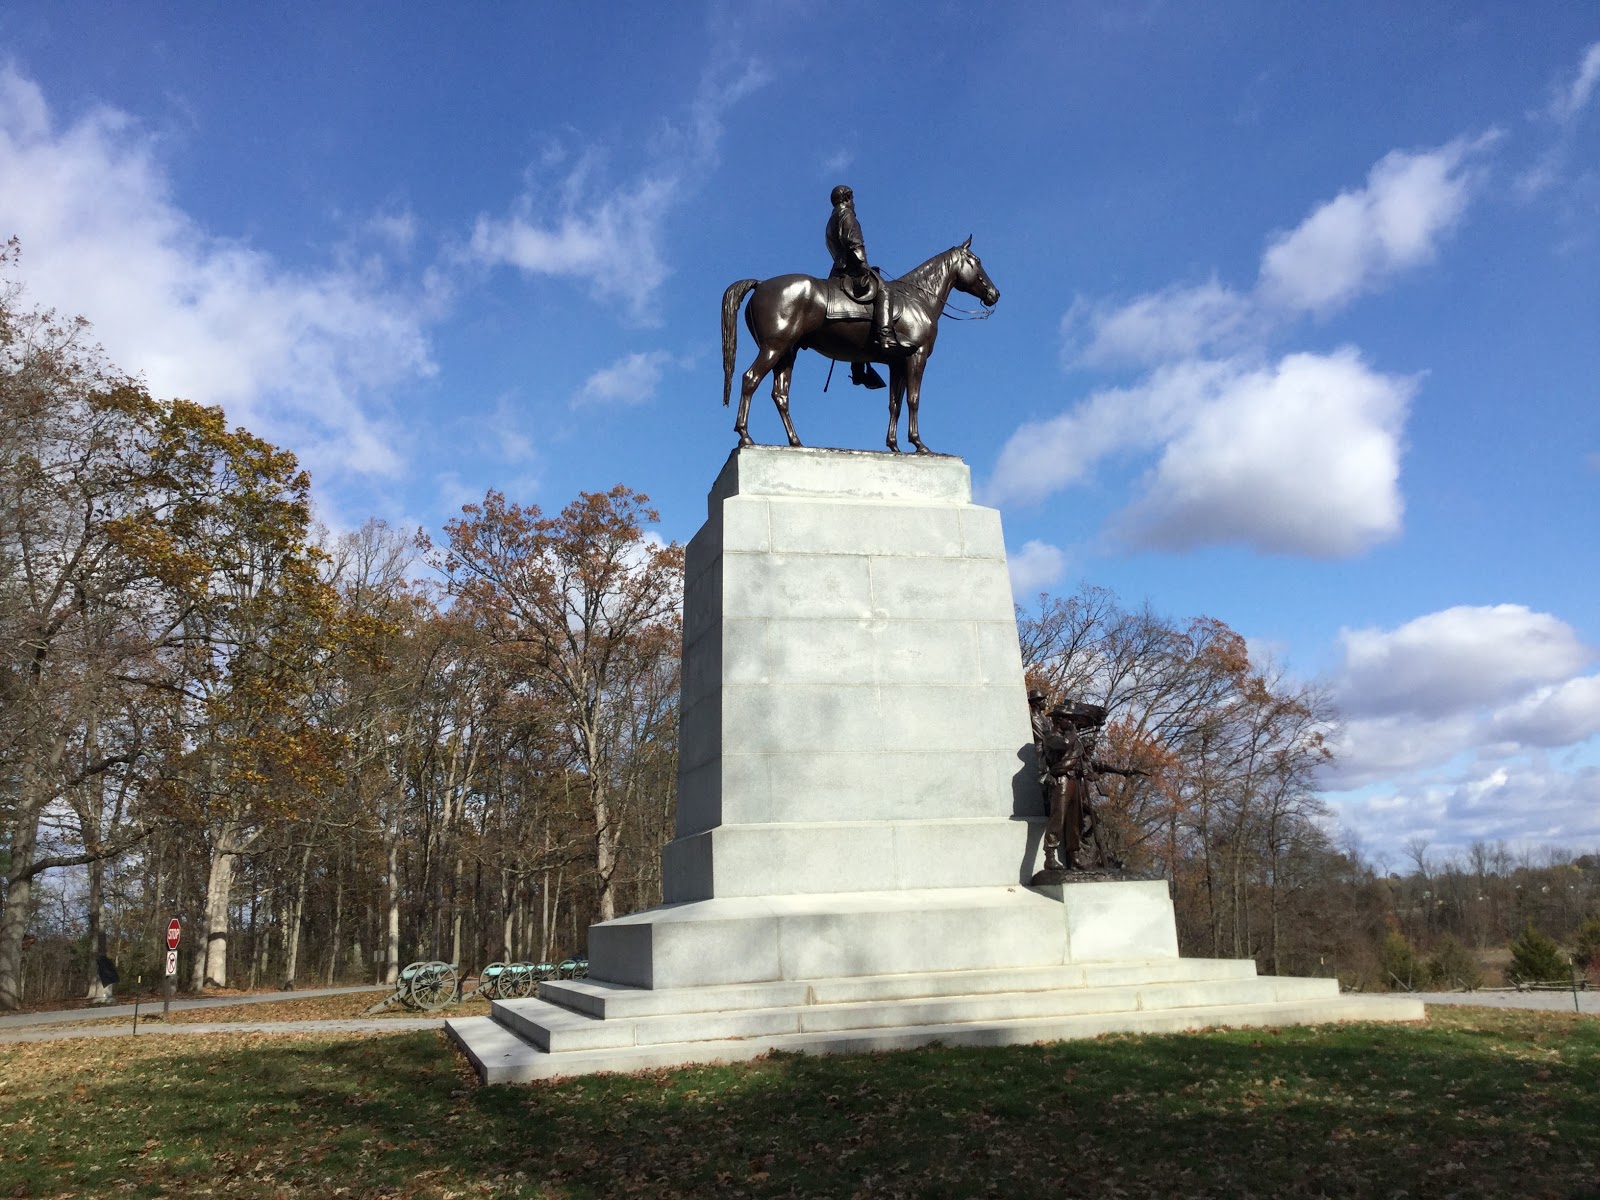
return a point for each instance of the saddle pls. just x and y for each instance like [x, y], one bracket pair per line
[842, 306]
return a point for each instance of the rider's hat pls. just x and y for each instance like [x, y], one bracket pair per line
[1035, 694]
[840, 194]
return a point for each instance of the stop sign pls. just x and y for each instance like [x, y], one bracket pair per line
[172, 934]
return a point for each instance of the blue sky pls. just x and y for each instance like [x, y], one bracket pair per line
[1299, 324]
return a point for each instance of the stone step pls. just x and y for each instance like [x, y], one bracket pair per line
[611, 1000]
[501, 1057]
[561, 1031]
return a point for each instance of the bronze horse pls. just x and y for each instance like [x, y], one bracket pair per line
[789, 313]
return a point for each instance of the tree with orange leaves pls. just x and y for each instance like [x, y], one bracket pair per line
[586, 606]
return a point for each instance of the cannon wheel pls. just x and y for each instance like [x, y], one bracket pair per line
[405, 981]
[434, 986]
[490, 980]
[526, 982]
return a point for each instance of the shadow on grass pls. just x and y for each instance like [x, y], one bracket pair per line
[1488, 1104]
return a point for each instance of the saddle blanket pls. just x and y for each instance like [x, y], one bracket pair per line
[844, 307]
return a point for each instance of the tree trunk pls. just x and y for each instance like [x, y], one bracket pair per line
[457, 909]
[508, 907]
[96, 931]
[93, 808]
[551, 911]
[606, 836]
[18, 906]
[211, 966]
[294, 914]
[391, 944]
[338, 918]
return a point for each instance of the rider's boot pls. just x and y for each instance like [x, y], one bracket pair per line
[865, 375]
[882, 332]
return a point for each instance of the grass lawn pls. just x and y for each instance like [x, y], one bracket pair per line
[1474, 1103]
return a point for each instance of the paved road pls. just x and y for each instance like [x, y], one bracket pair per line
[167, 1029]
[124, 1012]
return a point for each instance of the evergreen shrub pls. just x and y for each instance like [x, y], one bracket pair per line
[1535, 958]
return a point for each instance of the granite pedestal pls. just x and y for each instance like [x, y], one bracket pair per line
[858, 811]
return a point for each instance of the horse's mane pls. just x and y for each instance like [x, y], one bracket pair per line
[920, 273]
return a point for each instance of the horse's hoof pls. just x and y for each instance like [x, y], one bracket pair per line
[894, 446]
[794, 441]
[746, 440]
[921, 449]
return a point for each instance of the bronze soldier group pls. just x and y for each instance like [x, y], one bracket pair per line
[1064, 739]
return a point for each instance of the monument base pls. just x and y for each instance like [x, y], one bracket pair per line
[727, 980]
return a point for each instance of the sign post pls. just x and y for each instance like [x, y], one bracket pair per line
[174, 931]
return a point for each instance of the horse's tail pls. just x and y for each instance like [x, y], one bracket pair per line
[731, 299]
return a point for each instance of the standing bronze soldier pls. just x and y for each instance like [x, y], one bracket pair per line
[849, 252]
[1068, 770]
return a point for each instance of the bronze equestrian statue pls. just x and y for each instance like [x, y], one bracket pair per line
[790, 313]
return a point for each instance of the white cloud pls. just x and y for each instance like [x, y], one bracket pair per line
[1352, 243]
[630, 380]
[1452, 721]
[1369, 749]
[1158, 327]
[1574, 98]
[452, 492]
[1044, 457]
[836, 162]
[609, 243]
[300, 357]
[1347, 246]
[607, 236]
[398, 228]
[1036, 566]
[1297, 457]
[1521, 803]
[1300, 458]
[1560, 715]
[1457, 661]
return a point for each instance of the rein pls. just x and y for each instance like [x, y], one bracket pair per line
[953, 311]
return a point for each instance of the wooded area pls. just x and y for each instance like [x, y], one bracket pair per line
[331, 755]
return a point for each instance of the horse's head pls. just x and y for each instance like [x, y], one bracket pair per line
[969, 275]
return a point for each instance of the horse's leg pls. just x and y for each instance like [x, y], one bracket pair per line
[897, 391]
[782, 372]
[914, 366]
[766, 358]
